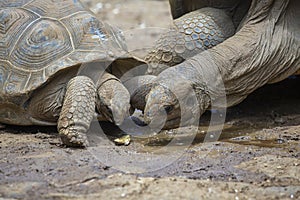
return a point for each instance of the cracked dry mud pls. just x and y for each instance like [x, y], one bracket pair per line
[256, 157]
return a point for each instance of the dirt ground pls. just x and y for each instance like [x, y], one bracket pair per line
[256, 157]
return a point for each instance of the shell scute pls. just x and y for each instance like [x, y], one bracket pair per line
[55, 8]
[87, 35]
[13, 3]
[44, 42]
[13, 22]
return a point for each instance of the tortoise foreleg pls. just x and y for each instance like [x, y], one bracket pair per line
[77, 111]
[113, 100]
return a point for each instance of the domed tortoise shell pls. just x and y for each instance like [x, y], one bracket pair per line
[38, 38]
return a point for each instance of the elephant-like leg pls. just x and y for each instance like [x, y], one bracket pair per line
[77, 111]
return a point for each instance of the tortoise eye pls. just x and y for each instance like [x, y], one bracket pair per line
[168, 109]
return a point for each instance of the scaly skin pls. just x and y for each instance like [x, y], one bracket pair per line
[77, 111]
[191, 34]
[113, 99]
[110, 97]
[67, 93]
[256, 55]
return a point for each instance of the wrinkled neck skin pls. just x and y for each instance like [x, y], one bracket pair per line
[264, 50]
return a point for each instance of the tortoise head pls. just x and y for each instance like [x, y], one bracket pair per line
[162, 105]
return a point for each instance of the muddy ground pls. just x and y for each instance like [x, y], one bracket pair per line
[256, 157]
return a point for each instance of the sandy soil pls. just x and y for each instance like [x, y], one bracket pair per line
[256, 157]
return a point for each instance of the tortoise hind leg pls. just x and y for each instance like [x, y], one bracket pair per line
[77, 111]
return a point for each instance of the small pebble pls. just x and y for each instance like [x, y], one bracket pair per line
[123, 195]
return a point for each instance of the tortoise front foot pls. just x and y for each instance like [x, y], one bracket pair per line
[77, 112]
[113, 102]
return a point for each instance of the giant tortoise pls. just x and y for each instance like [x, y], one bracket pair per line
[265, 48]
[42, 79]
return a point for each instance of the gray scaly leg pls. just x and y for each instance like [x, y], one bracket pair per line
[77, 111]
